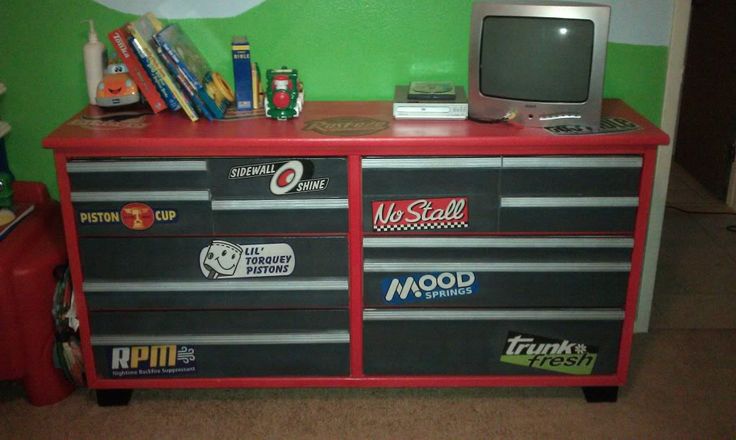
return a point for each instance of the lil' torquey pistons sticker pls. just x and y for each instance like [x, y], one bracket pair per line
[222, 260]
[287, 177]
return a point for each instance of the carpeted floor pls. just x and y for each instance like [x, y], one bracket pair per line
[682, 382]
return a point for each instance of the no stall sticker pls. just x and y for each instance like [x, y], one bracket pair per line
[152, 360]
[223, 260]
[420, 214]
[289, 177]
[561, 356]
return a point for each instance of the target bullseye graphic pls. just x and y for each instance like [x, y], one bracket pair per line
[287, 177]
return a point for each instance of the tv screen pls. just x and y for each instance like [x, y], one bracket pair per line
[536, 59]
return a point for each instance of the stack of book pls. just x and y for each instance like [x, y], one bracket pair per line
[169, 70]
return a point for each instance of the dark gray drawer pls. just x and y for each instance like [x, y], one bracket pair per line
[278, 178]
[569, 194]
[578, 176]
[220, 344]
[138, 174]
[484, 342]
[234, 272]
[279, 195]
[280, 216]
[512, 272]
[435, 194]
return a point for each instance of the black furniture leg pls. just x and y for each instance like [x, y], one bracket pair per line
[600, 394]
[113, 397]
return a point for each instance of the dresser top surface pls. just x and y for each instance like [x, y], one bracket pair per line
[334, 128]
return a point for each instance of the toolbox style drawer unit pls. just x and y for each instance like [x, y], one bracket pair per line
[345, 248]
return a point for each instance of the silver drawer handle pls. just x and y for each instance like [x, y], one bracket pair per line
[493, 315]
[216, 286]
[497, 242]
[573, 162]
[431, 163]
[370, 265]
[136, 166]
[569, 202]
[135, 196]
[321, 337]
[261, 205]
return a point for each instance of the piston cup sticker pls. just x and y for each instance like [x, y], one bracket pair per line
[222, 260]
[289, 177]
[420, 214]
[561, 356]
[135, 216]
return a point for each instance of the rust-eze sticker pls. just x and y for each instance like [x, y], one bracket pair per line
[420, 214]
[346, 126]
[226, 260]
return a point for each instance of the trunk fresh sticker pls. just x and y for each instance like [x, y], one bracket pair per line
[287, 177]
[420, 214]
[222, 260]
[152, 360]
[558, 355]
[428, 287]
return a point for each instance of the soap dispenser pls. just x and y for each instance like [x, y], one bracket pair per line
[95, 59]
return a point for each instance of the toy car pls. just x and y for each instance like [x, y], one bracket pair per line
[284, 95]
[116, 87]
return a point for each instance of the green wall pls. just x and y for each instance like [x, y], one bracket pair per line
[344, 50]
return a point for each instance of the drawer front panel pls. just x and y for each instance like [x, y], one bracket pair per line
[141, 214]
[138, 174]
[509, 272]
[594, 176]
[222, 260]
[280, 216]
[430, 194]
[193, 273]
[279, 194]
[456, 345]
[521, 219]
[278, 178]
[569, 194]
[220, 344]
[263, 294]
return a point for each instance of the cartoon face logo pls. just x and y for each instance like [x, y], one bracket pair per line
[221, 259]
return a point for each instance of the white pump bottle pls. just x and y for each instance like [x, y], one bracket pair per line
[95, 58]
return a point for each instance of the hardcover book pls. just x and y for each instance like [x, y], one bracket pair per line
[143, 30]
[120, 41]
[193, 65]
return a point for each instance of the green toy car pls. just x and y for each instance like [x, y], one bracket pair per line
[284, 95]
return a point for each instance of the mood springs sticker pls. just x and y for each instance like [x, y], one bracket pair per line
[428, 287]
[561, 356]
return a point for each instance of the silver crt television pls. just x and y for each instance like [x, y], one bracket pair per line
[539, 65]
